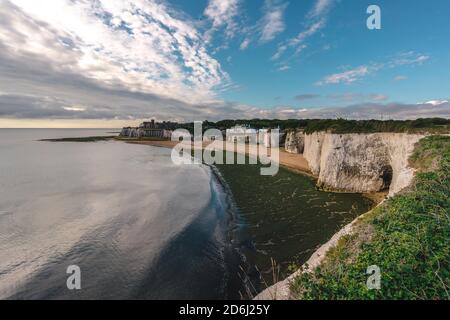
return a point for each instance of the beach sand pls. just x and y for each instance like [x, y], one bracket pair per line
[295, 162]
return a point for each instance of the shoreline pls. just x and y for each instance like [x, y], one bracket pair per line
[294, 162]
[236, 235]
[291, 161]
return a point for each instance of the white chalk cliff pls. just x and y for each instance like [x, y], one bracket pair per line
[295, 142]
[355, 163]
[361, 162]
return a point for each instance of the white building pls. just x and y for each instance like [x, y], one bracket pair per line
[147, 130]
[245, 134]
[242, 134]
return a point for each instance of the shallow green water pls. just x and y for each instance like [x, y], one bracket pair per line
[285, 217]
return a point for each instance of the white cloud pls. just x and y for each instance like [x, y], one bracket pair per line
[279, 53]
[316, 20]
[129, 60]
[378, 97]
[272, 22]
[351, 97]
[321, 7]
[399, 60]
[311, 30]
[140, 46]
[347, 77]
[268, 27]
[361, 111]
[75, 108]
[283, 68]
[222, 13]
[244, 45]
[400, 78]
[407, 58]
[435, 102]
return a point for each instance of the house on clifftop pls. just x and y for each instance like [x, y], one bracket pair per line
[149, 129]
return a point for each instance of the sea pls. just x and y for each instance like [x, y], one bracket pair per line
[138, 226]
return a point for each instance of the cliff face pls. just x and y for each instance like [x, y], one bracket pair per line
[352, 162]
[295, 142]
[361, 162]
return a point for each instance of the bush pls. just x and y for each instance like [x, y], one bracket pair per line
[342, 126]
[437, 125]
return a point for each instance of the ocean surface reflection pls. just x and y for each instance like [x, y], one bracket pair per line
[137, 225]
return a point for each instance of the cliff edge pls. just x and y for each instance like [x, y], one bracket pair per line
[354, 163]
[361, 162]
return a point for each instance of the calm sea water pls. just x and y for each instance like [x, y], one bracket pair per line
[284, 219]
[137, 225]
[140, 227]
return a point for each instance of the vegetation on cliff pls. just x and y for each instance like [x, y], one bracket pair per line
[341, 126]
[437, 125]
[408, 238]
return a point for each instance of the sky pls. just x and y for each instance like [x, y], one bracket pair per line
[111, 63]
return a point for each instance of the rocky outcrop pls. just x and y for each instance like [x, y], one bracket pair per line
[295, 141]
[361, 162]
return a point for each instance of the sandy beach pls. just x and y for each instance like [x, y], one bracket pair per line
[291, 161]
[295, 162]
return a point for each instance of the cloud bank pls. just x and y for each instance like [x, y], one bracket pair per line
[410, 58]
[131, 60]
[366, 111]
[135, 45]
[115, 58]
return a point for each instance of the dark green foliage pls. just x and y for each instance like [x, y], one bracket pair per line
[409, 241]
[372, 126]
[262, 123]
[336, 126]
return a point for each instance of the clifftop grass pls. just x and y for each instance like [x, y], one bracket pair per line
[434, 125]
[408, 237]
[342, 126]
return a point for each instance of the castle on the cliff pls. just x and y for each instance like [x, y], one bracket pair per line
[147, 130]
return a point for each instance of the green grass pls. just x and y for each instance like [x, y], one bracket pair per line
[434, 125]
[342, 126]
[407, 237]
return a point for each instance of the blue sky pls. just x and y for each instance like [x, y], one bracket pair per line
[414, 28]
[107, 63]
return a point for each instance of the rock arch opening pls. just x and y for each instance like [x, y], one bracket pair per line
[386, 175]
